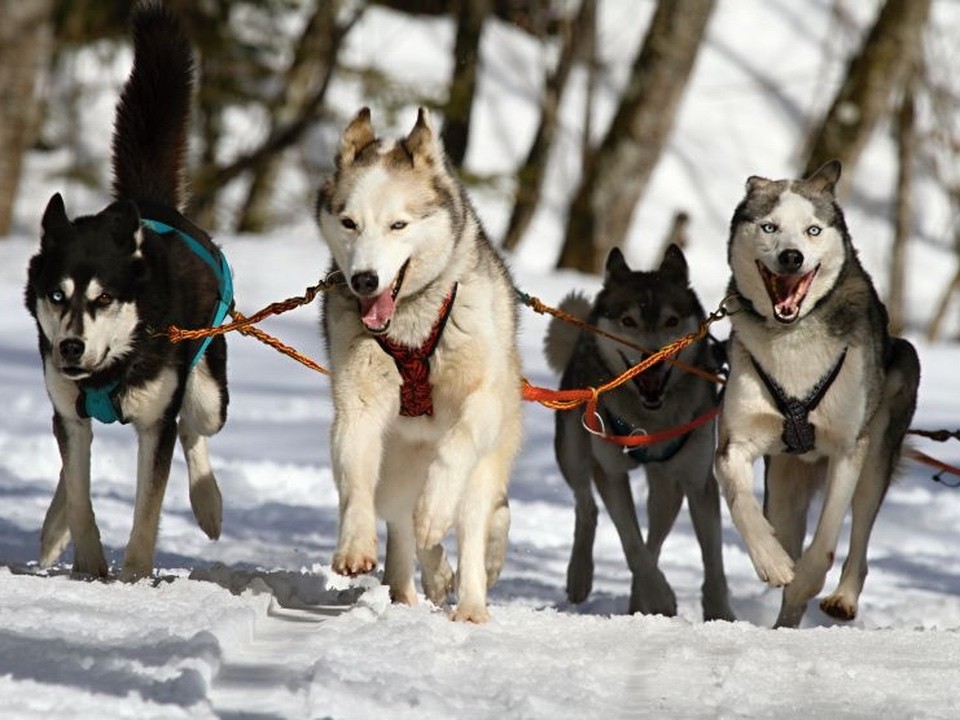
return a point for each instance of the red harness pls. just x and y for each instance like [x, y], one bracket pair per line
[416, 392]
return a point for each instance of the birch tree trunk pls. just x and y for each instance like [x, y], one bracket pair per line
[25, 42]
[612, 184]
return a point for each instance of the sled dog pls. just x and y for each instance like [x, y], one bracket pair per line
[426, 381]
[102, 286]
[649, 309]
[817, 386]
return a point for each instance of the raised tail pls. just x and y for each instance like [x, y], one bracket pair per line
[151, 129]
[561, 336]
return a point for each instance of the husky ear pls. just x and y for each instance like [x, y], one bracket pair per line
[674, 264]
[755, 183]
[825, 178]
[422, 144]
[126, 224]
[357, 136]
[55, 224]
[616, 265]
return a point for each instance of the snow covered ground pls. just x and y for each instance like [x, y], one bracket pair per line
[257, 626]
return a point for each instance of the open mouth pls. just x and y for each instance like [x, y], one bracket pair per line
[786, 292]
[377, 311]
[652, 382]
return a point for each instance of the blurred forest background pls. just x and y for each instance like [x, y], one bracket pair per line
[276, 59]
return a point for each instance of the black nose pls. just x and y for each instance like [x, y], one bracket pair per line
[71, 350]
[790, 260]
[364, 283]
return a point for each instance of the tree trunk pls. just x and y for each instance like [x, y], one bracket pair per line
[530, 176]
[903, 212]
[471, 15]
[613, 183]
[312, 67]
[25, 43]
[889, 51]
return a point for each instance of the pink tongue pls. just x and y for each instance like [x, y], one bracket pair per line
[376, 312]
[787, 286]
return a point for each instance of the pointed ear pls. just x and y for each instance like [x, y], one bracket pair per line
[616, 265]
[674, 264]
[125, 224]
[755, 183]
[825, 178]
[55, 223]
[357, 136]
[422, 144]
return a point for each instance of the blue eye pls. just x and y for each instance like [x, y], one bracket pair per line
[398, 225]
[814, 230]
[768, 228]
[57, 297]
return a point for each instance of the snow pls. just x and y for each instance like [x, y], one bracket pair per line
[256, 625]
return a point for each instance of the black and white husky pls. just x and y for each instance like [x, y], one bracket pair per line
[648, 309]
[104, 286]
[817, 386]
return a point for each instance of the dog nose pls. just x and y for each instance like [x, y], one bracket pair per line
[71, 350]
[790, 260]
[364, 283]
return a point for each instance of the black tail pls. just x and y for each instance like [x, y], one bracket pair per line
[151, 129]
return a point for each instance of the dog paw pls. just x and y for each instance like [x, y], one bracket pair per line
[406, 595]
[772, 563]
[839, 606]
[652, 595]
[355, 558]
[470, 612]
[134, 571]
[89, 561]
[579, 581]
[207, 504]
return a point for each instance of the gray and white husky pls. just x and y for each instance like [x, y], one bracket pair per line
[817, 386]
[425, 369]
[649, 309]
[102, 287]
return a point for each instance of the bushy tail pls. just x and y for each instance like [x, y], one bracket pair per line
[151, 128]
[562, 336]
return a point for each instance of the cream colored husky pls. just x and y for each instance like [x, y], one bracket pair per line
[425, 369]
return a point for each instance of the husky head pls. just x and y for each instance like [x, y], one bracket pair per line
[391, 215]
[81, 287]
[788, 243]
[650, 309]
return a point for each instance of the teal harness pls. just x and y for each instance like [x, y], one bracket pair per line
[103, 403]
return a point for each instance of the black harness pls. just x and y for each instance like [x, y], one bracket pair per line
[799, 434]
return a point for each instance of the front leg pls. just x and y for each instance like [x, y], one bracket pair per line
[154, 453]
[357, 447]
[734, 470]
[74, 437]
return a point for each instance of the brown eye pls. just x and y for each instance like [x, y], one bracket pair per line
[628, 321]
[348, 223]
[671, 322]
[103, 299]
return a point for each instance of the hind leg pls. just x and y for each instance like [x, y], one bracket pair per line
[789, 488]
[436, 575]
[649, 593]
[399, 561]
[396, 497]
[55, 535]
[886, 439]
[153, 469]
[203, 414]
[664, 499]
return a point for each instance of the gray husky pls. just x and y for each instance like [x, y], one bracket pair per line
[425, 368]
[817, 386]
[650, 309]
[99, 289]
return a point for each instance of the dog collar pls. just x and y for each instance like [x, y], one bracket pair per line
[416, 393]
[103, 403]
[799, 434]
